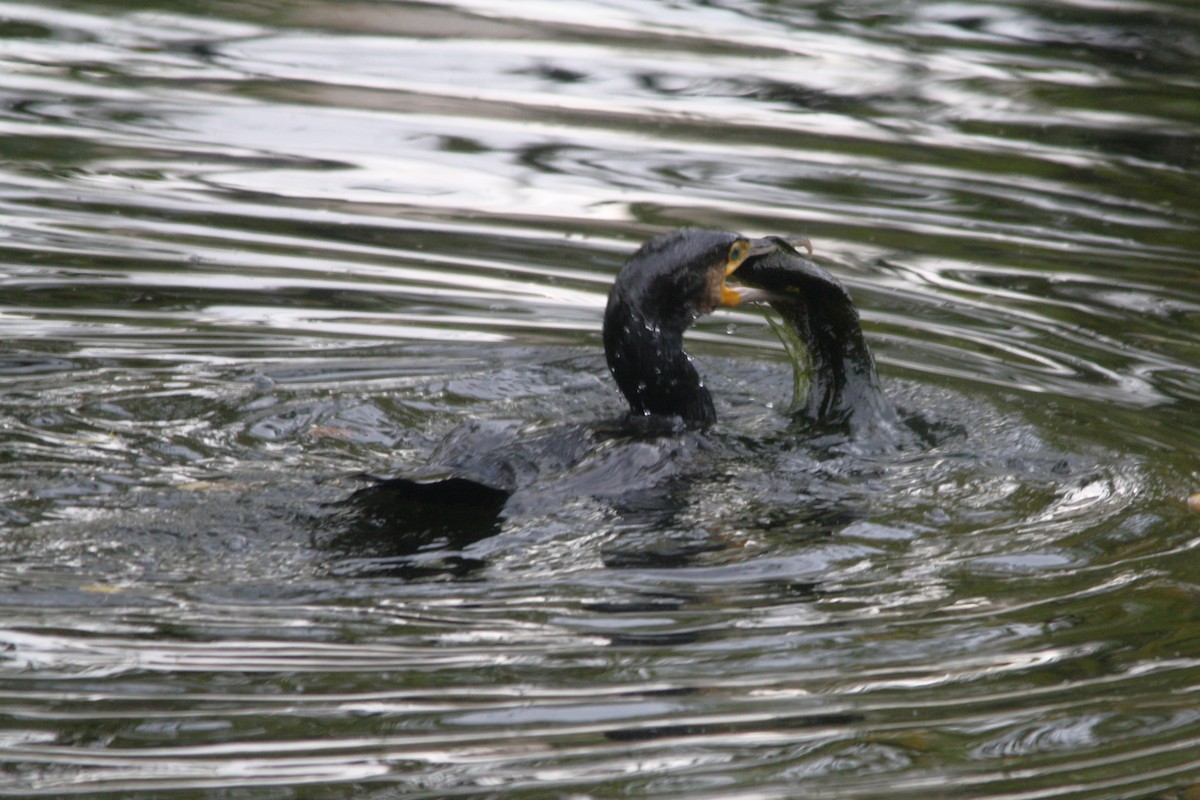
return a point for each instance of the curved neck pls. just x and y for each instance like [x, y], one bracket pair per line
[647, 359]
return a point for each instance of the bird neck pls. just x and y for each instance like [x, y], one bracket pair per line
[648, 362]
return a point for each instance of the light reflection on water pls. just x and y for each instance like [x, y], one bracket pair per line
[249, 252]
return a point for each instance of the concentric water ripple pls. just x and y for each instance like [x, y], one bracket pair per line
[249, 252]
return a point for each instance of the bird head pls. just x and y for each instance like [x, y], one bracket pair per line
[664, 287]
[677, 277]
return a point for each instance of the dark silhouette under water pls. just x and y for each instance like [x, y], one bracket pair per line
[486, 469]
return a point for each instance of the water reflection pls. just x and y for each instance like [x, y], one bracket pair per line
[248, 252]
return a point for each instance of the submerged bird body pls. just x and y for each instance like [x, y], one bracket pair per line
[659, 293]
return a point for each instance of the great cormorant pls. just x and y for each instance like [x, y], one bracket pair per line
[664, 287]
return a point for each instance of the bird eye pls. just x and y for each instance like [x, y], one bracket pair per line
[737, 251]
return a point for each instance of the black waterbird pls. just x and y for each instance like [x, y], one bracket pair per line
[664, 287]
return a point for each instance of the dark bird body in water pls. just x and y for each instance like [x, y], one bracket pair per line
[672, 280]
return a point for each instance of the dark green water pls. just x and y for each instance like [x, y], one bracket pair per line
[250, 249]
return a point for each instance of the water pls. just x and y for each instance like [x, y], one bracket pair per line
[250, 250]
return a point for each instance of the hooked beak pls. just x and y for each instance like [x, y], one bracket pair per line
[736, 295]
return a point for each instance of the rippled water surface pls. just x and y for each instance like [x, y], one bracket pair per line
[249, 251]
